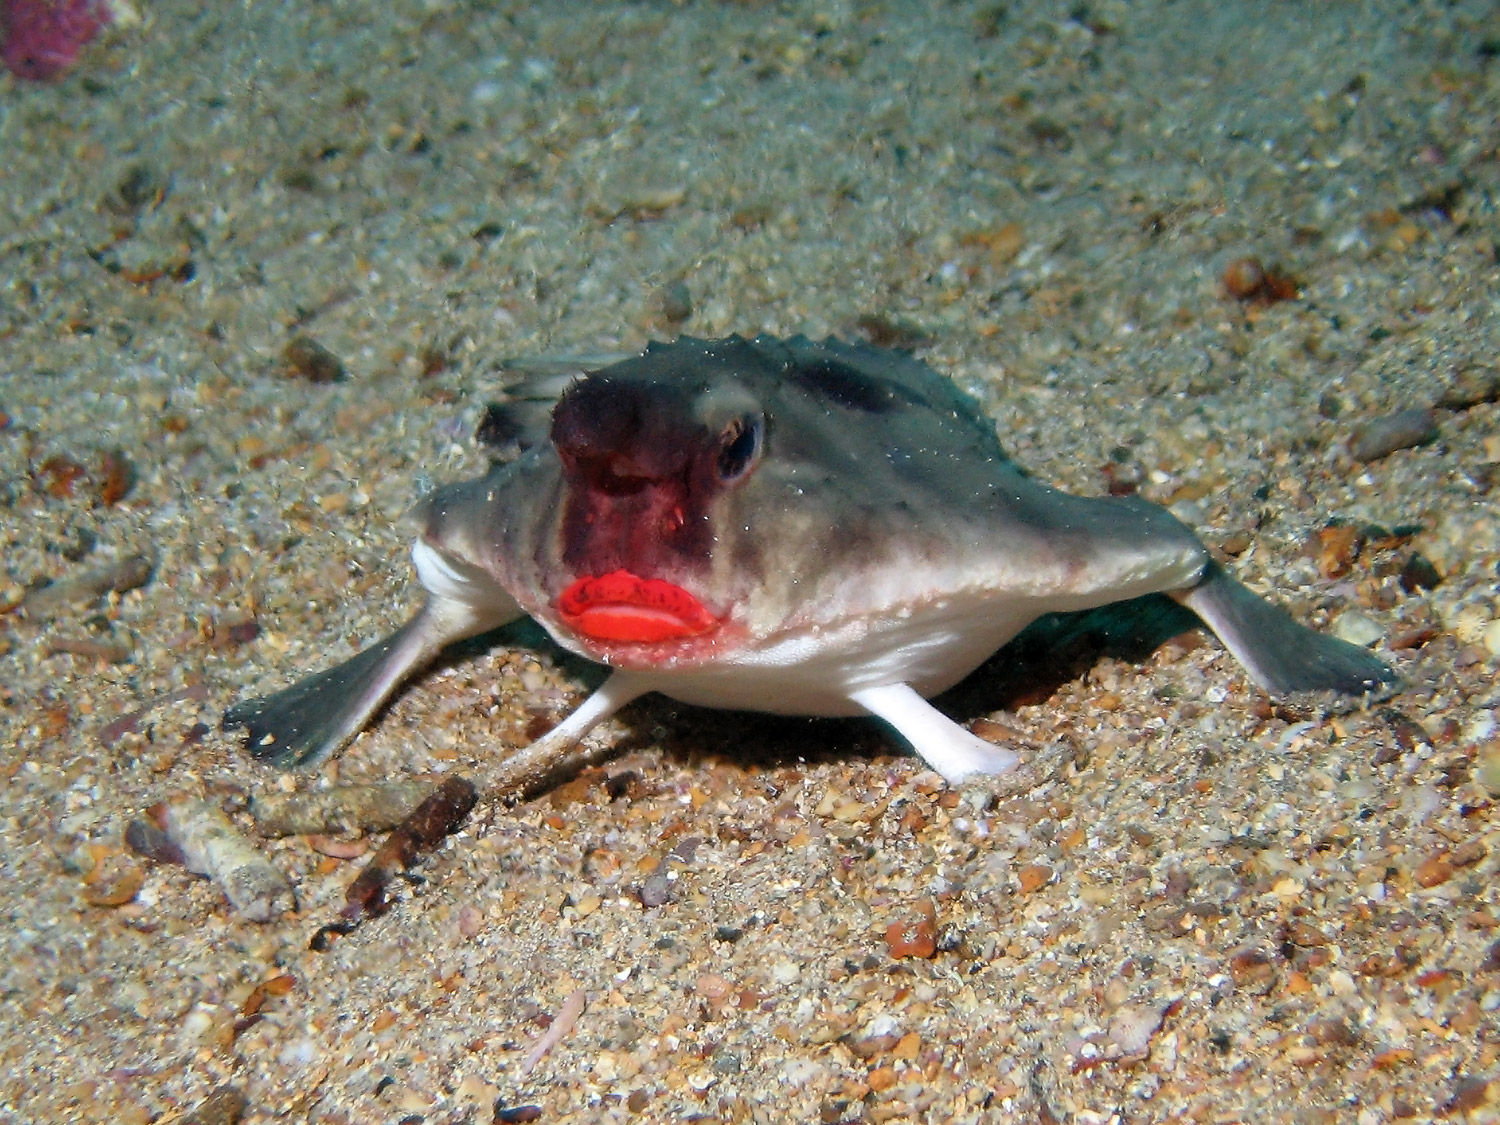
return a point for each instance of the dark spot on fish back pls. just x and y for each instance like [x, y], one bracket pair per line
[849, 387]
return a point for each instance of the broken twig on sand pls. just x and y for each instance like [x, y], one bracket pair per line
[434, 819]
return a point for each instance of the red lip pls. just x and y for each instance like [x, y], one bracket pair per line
[620, 606]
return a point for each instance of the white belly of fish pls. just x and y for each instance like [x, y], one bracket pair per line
[817, 673]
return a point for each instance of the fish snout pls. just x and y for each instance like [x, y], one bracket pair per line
[615, 435]
[614, 474]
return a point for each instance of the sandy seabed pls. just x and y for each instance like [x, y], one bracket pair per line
[1194, 904]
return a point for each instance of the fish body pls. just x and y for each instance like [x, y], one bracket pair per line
[783, 525]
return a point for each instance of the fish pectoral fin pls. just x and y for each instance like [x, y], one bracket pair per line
[527, 767]
[306, 723]
[1279, 654]
[947, 747]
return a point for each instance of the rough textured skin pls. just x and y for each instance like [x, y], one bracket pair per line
[781, 525]
[882, 488]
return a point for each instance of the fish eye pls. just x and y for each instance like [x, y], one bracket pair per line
[739, 448]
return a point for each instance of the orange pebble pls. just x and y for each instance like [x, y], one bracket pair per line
[1244, 278]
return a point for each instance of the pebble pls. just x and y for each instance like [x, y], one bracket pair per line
[1418, 573]
[117, 891]
[1490, 964]
[676, 302]
[1433, 871]
[656, 890]
[1487, 768]
[475, 1089]
[1340, 983]
[1246, 279]
[799, 1072]
[1490, 638]
[305, 358]
[713, 988]
[1481, 727]
[225, 1106]
[79, 589]
[1034, 877]
[1404, 429]
[1471, 386]
[914, 936]
[1243, 278]
[882, 1078]
[1356, 628]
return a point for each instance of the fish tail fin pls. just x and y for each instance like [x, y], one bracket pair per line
[1279, 654]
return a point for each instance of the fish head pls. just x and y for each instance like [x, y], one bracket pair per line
[651, 468]
[706, 498]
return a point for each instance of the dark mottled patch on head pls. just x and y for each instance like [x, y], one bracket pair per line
[509, 429]
[851, 388]
[498, 428]
[640, 475]
[629, 429]
[599, 415]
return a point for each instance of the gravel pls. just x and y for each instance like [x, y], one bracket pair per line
[1194, 903]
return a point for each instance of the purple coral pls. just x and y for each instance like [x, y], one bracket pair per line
[43, 37]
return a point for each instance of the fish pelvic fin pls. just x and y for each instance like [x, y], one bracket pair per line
[1280, 655]
[948, 748]
[305, 724]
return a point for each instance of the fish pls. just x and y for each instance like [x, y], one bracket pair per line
[784, 525]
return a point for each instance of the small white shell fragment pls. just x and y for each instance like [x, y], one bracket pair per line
[1490, 638]
[1470, 622]
[1481, 726]
[1131, 1028]
[212, 846]
[1356, 628]
[785, 971]
[799, 1072]
[562, 1023]
[196, 1027]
